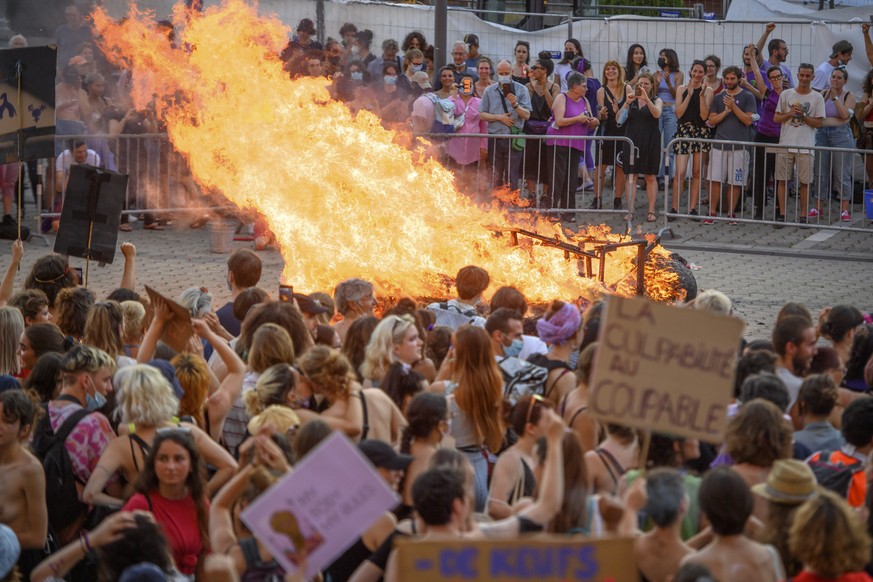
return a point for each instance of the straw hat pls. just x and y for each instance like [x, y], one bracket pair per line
[790, 482]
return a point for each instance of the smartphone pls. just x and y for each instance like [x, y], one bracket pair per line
[638, 91]
[80, 275]
[467, 85]
[508, 89]
[286, 292]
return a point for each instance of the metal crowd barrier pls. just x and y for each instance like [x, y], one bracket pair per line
[839, 179]
[159, 179]
[542, 173]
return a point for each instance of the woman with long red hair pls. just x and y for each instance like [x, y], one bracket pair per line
[475, 399]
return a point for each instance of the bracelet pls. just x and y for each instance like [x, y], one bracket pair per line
[90, 550]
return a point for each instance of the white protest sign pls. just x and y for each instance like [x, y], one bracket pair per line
[665, 369]
[321, 507]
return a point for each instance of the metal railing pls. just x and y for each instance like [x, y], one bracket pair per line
[759, 197]
[545, 175]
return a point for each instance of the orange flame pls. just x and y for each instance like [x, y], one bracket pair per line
[341, 196]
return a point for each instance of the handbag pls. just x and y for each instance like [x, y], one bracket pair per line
[516, 143]
[536, 127]
[863, 136]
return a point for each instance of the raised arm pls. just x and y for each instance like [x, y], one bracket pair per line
[150, 341]
[8, 285]
[762, 42]
[551, 493]
[214, 455]
[128, 276]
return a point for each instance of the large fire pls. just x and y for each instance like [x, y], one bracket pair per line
[339, 192]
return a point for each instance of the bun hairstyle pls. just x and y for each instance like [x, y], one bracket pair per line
[840, 321]
[329, 371]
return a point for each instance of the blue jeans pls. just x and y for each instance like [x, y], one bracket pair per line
[667, 124]
[834, 169]
[480, 483]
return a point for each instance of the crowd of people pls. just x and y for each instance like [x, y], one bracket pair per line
[124, 458]
[550, 125]
[651, 104]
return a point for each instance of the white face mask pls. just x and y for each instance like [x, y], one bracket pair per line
[390, 80]
[357, 75]
[504, 79]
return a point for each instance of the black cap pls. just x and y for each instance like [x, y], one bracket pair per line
[382, 455]
[309, 305]
[472, 39]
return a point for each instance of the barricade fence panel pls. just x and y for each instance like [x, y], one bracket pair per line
[821, 187]
[552, 173]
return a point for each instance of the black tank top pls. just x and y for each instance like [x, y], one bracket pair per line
[539, 108]
[692, 112]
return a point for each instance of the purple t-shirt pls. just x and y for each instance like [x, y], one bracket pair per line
[767, 125]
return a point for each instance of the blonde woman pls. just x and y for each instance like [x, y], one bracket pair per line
[147, 405]
[132, 329]
[610, 98]
[103, 328]
[395, 340]
[640, 115]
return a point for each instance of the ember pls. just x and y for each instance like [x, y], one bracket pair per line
[342, 197]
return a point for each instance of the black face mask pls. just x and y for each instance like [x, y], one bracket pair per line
[662, 62]
[569, 55]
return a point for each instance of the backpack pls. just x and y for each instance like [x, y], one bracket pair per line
[521, 378]
[61, 496]
[835, 474]
[453, 314]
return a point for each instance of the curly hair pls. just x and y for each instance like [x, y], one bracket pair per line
[71, 310]
[829, 536]
[424, 414]
[329, 372]
[758, 434]
[30, 302]
[50, 274]
[818, 395]
[144, 396]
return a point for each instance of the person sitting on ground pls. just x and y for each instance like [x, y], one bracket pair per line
[659, 552]
[561, 329]
[829, 538]
[361, 414]
[395, 340]
[33, 305]
[37, 340]
[147, 405]
[73, 304]
[727, 502]
[354, 299]
[817, 399]
[574, 406]
[176, 498]
[243, 272]
[470, 283]
[789, 484]
[22, 489]
[512, 478]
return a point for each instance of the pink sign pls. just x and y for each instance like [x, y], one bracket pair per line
[321, 507]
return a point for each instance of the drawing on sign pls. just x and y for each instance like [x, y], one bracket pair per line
[302, 534]
[664, 368]
[6, 107]
[36, 112]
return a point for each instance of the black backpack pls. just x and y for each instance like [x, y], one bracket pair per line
[61, 497]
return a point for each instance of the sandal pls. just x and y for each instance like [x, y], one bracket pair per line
[651, 217]
[154, 226]
[124, 227]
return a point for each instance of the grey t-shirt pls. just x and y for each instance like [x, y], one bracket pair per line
[797, 132]
[731, 128]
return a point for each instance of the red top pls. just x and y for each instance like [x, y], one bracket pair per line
[178, 521]
[848, 577]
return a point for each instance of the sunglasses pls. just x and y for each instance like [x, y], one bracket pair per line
[182, 430]
[530, 407]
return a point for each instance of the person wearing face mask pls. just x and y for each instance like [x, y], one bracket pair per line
[505, 106]
[572, 49]
[389, 56]
[841, 54]
[458, 65]
[87, 378]
[505, 330]
[413, 62]
[333, 52]
[392, 100]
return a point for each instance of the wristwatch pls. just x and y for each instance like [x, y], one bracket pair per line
[515, 106]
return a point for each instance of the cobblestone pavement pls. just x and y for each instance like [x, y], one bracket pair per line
[758, 267]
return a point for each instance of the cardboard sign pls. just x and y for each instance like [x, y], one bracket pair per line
[178, 330]
[665, 369]
[91, 213]
[34, 110]
[540, 558]
[318, 510]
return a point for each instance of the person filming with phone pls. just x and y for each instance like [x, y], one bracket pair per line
[505, 107]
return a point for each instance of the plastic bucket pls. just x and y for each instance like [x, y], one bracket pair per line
[868, 204]
[221, 235]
